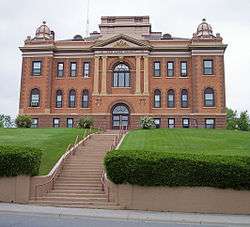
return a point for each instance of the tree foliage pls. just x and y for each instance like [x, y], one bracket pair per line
[6, 121]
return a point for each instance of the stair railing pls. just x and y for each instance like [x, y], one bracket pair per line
[56, 171]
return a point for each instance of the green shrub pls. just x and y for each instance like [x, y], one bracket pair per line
[86, 122]
[168, 169]
[16, 161]
[23, 121]
[147, 122]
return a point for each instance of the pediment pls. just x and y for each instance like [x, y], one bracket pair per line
[121, 42]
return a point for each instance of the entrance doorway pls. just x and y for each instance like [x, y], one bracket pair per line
[120, 116]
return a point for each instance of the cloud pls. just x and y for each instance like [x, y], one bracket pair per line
[178, 17]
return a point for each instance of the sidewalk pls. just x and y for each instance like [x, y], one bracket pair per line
[228, 220]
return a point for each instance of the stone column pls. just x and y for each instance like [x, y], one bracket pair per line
[104, 76]
[138, 75]
[145, 92]
[96, 77]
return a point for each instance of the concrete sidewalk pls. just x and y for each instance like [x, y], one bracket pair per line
[168, 217]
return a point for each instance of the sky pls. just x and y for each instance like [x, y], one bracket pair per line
[230, 18]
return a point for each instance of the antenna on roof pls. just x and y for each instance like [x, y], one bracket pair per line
[87, 21]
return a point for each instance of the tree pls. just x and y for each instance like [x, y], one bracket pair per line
[6, 121]
[232, 120]
[243, 121]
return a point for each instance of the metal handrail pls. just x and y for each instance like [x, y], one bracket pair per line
[64, 157]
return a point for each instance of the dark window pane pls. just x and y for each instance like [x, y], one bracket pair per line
[73, 69]
[36, 68]
[208, 67]
[183, 68]
[157, 69]
[121, 76]
[86, 69]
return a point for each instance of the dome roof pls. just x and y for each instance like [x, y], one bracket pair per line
[43, 32]
[204, 30]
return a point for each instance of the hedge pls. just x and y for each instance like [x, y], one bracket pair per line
[15, 160]
[168, 169]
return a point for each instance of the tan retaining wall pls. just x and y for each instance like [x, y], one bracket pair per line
[181, 199]
[15, 189]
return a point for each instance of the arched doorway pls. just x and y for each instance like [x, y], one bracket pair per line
[120, 116]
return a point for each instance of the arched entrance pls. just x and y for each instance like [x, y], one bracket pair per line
[120, 116]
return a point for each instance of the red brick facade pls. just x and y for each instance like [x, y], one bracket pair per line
[138, 51]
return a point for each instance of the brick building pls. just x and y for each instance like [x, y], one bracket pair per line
[123, 72]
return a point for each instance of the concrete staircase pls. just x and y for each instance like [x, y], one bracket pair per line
[79, 184]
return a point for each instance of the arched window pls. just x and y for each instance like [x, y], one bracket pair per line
[35, 98]
[121, 76]
[85, 99]
[59, 99]
[171, 98]
[72, 98]
[157, 98]
[209, 97]
[184, 98]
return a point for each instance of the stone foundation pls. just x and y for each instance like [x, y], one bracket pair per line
[105, 121]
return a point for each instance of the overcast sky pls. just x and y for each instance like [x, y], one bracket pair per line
[179, 17]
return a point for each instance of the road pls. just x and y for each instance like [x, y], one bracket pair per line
[17, 215]
[31, 220]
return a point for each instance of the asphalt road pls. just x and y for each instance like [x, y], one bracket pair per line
[45, 220]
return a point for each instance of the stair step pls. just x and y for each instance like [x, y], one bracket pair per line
[79, 199]
[58, 203]
[110, 206]
[70, 194]
[70, 188]
[78, 191]
[78, 180]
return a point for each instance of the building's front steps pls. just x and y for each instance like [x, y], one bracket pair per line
[79, 184]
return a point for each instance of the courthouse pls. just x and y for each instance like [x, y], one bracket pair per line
[122, 72]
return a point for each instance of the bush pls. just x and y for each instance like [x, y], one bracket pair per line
[147, 122]
[168, 169]
[23, 121]
[16, 161]
[86, 122]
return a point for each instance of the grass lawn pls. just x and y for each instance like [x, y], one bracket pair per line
[53, 142]
[207, 141]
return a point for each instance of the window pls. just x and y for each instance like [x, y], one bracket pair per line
[208, 67]
[184, 98]
[171, 122]
[34, 123]
[184, 68]
[85, 99]
[157, 122]
[60, 69]
[56, 122]
[34, 98]
[70, 122]
[73, 67]
[185, 122]
[36, 68]
[170, 98]
[72, 98]
[86, 69]
[121, 76]
[170, 69]
[210, 123]
[59, 99]
[209, 97]
[157, 98]
[157, 68]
